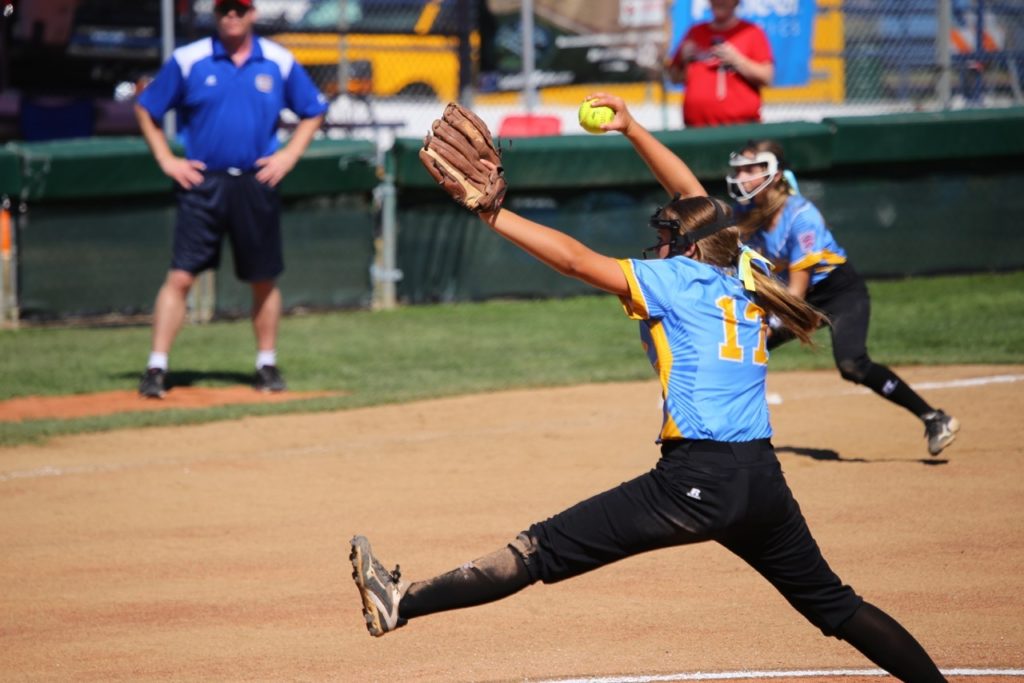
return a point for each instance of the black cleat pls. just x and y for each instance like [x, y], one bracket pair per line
[268, 378]
[152, 383]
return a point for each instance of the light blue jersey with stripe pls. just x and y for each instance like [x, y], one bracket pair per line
[228, 115]
[799, 241]
[705, 337]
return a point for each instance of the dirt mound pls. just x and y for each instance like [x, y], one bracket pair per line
[109, 402]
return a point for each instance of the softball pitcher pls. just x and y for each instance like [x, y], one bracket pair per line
[783, 225]
[701, 307]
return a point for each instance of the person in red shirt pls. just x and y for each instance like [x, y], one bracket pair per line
[723, 63]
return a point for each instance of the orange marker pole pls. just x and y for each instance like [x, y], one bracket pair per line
[5, 232]
[8, 297]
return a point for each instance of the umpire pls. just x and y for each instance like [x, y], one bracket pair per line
[228, 90]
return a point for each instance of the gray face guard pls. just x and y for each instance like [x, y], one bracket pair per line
[679, 242]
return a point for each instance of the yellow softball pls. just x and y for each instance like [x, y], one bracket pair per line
[592, 117]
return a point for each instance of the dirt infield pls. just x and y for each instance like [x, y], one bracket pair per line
[218, 552]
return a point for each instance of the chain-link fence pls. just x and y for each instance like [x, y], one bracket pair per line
[389, 65]
[394, 63]
[906, 55]
[385, 64]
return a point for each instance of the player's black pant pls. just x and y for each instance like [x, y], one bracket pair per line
[732, 493]
[843, 296]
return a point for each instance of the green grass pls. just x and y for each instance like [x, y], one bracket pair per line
[429, 351]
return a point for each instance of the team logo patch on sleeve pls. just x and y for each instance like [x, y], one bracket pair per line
[264, 82]
[806, 240]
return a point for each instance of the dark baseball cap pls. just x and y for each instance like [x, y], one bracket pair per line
[243, 3]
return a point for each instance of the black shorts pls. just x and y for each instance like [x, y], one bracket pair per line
[243, 208]
[731, 493]
[843, 297]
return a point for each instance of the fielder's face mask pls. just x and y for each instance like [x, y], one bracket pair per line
[679, 242]
[739, 160]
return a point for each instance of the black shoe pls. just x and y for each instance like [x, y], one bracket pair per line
[268, 378]
[940, 429]
[152, 383]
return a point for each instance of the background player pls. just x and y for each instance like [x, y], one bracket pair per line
[700, 306]
[787, 228]
[229, 90]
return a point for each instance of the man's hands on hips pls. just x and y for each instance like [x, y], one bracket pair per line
[274, 168]
[188, 172]
[185, 172]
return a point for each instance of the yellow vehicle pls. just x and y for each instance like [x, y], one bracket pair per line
[385, 65]
[392, 48]
[411, 48]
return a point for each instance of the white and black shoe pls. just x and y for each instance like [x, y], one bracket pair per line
[940, 429]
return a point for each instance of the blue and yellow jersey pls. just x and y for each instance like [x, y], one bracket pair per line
[799, 241]
[705, 338]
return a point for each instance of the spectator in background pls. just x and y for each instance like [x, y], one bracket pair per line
[723, 63]
[229, 90]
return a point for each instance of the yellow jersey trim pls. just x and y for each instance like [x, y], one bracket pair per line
[817, 257]
[635, 305]
[669, 429]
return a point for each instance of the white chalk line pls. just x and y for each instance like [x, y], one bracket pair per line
[761, 675]
[775, 398]
[971, 382]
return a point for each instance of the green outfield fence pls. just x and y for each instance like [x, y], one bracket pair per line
[906, 194]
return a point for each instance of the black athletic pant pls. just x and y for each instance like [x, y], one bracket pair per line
[732, 493]
[843, 296]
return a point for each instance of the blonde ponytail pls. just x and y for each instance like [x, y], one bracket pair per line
[795, 314]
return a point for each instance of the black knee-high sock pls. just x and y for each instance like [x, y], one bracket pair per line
[490, 578]
[887, 384]
[885, 642]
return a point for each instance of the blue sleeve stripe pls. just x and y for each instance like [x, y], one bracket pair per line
[801, 209]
